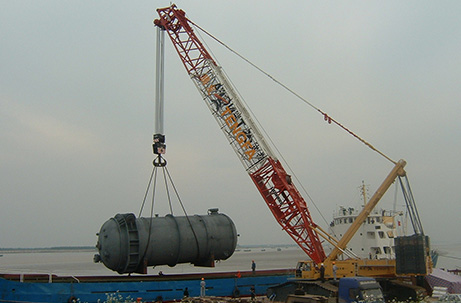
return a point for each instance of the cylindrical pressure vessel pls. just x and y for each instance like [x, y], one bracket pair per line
[128, 244]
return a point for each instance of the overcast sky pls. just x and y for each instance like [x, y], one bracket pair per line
[76, 111]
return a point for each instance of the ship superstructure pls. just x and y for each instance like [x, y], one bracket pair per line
[375, 237]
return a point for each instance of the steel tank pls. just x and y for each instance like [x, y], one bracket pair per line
[127, 244]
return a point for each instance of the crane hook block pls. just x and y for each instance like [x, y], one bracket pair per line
[159, 145]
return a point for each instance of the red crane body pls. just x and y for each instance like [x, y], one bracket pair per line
[275, 185]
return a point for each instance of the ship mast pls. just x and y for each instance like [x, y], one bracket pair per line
[363, 189]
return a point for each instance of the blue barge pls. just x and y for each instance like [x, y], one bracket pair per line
[150, 288]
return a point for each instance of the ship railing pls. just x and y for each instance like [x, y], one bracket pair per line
[23, 273]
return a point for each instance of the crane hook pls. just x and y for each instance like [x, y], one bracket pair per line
[160, 161]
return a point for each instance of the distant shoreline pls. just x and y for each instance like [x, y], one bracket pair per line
[47, 249]
[92, 248]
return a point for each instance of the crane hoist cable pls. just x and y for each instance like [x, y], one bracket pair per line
[159, 146]
[326, 117]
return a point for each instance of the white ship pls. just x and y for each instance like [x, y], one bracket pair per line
[375, 238]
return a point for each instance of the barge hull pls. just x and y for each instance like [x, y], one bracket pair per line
[92, 289]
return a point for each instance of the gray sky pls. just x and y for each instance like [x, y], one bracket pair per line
[76, 111]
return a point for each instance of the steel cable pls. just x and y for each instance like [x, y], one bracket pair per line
[327, 118]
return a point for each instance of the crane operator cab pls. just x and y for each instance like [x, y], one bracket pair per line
[311, 271]
[304, 270]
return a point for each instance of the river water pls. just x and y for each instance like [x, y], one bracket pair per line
[80, 262]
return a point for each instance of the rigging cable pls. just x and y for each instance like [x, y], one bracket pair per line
[154, 173]
[327, 118]
[153, 176]
[411, 206]
[147, 191]
[167, 190]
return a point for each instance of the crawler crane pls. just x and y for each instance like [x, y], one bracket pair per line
[274, 184]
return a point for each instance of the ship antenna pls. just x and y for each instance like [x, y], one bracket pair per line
[363, 189]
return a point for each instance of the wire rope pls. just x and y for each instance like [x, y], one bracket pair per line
[154, 173]
[147, 192]
[257, 120]
[327, 118]
[411, 205]
[153, 177]
[167, 190]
